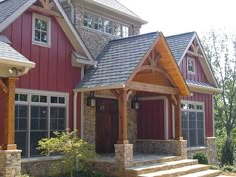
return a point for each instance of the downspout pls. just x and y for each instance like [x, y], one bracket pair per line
[75, 110]
[72, 12]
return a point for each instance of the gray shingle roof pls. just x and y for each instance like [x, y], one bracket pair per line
[179, 43]
[8, 53]
[114, 4]
[118, 60]
[8, 7]
[204, 84]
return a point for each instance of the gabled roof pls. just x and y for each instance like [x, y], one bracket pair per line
[117, 61]
[117, 7]
[10, 10]
[180, 44]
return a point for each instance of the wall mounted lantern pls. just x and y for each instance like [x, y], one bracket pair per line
[91, 100]
[135, 103]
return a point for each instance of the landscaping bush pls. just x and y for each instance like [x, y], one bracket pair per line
[227, 157]
[227, 168]
[202, 157]
[76, 153]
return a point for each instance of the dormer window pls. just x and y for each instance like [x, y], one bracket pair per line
[41, 34]
[105, 25]
[191, 65]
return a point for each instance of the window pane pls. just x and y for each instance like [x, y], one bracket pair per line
[43, 25]
[54, 99]
[44, 37]
[200, 122]
[192, 120]
[88, 19]
[37, 35]
[58, 117]
[117, 29]
[125, 31]
[21, 114]
[61, 100]
[43, 99]
[16, 97]
[38, 118]
[34, 138]
[108, 26]
[98, 23]
[35, 98]
[184, 119]
[200, 137]
[23, 97]
[37, 24]
[193, 137]
[21, 141]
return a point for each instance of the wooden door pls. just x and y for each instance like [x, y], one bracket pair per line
[106, 125]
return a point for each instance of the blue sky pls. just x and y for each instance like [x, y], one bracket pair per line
[179, 16]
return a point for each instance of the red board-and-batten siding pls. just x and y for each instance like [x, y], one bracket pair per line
[53, 71]
[199, 97]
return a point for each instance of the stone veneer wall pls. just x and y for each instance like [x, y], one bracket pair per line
[209, 150]
[10, 163]
[94, 40]
[89, 123]
[168, 147]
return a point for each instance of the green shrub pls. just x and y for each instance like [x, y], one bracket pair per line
[24, 175]
[202, 157]
[227, 168]
[76, 153]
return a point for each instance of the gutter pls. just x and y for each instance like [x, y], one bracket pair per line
[210, 89]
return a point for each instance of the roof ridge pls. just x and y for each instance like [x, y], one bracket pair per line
[138, 35]
[181, 34]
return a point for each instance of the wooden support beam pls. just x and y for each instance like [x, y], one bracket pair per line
[173, 100]
[45, 11]
[123, 119]
[3, 87]
[9, 115]
[115, 93]
[138, 86]
[178, 121]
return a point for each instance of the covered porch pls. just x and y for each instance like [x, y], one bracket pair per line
[124, 89]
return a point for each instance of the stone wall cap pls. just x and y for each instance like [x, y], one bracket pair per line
[10, 151]
[196, 148]
[40, 159]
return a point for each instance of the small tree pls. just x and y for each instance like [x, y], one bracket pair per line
[74, 150]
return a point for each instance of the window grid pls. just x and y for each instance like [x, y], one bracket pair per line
[33, 129]
[191, 65]
[193, 123]
[105, 25]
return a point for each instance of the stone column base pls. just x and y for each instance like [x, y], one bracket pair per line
[10, 163]
[180, 148]
[124, 154]
[211, 149]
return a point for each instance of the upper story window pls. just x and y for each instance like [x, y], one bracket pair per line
[41, 34]
[191, 65]
[105, 25]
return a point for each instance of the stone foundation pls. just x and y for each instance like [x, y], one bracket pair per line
[168, 147]
[10, 163]
[124, 154]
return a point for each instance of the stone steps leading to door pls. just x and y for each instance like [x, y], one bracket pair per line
[182, 167]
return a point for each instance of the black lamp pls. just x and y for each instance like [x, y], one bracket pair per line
[135, 103]
[91, 100]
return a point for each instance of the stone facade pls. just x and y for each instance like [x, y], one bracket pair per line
[10, 163]
[209, 150]
[168, 147]
[124, 154]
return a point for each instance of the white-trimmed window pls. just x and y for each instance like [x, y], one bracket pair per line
[37, 115]
[193, 123]
[105, 25]
[41, 34]
[191, 65]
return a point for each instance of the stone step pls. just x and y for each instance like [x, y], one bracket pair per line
[135, 171]
[144, 161]
[206, 173]
[177, 171]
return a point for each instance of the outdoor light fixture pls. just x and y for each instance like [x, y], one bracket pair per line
[135, 103]
[91, 100]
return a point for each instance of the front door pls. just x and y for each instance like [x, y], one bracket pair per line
[106, 125]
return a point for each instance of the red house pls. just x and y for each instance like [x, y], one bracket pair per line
[152, 92]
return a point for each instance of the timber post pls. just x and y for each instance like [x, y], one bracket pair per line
[9, 115]
[178, 121]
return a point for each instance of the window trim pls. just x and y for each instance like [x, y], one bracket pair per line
[194, 65]
[28, 103]
[48, 20]
[103, 19]
[195, 110]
